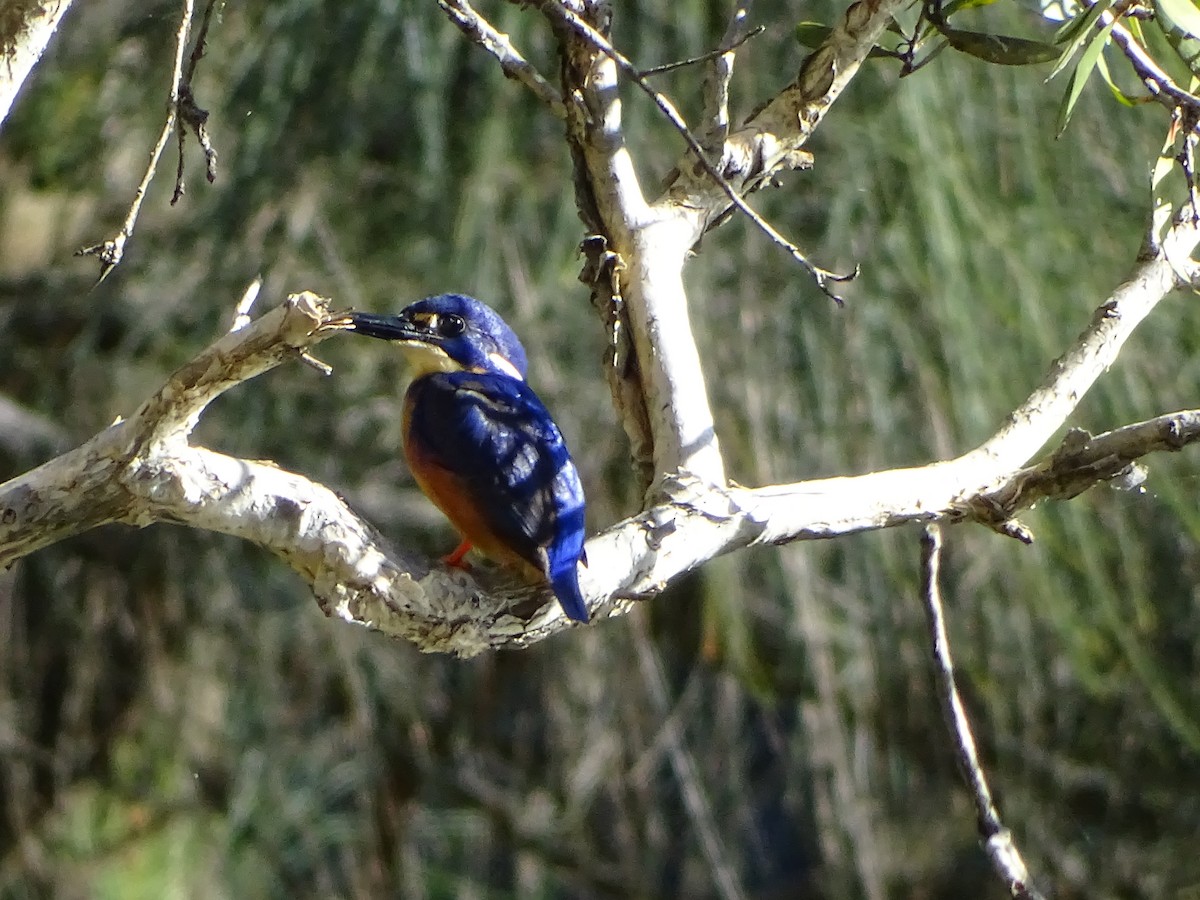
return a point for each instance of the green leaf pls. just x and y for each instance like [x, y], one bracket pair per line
[813, 34]
[1120, 95]
[1074, 33]
[1183, 13]
[957, 6]
[1001, 49]
[1083, 71]
[1070, 29]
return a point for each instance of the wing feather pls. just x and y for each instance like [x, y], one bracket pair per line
[493, 433]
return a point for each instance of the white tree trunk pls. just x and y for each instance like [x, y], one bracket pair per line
[25, 30]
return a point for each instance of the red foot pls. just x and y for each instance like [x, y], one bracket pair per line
[455, 558]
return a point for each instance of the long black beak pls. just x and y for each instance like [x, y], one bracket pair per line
[387, 328]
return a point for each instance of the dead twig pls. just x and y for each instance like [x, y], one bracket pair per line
[997, 840]
[182, 114]
[190, 114]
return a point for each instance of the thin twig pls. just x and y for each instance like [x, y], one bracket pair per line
[111, 251]
[726, 47]
[997, 839]
[717, 78]
[823, 277]
[480, 31]
[201, 45]
[1157, 82]
[190, 114]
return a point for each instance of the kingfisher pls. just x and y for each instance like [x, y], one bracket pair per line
[482, 445]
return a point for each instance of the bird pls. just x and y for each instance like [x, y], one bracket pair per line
[481, 444]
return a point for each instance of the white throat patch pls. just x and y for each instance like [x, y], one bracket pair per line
[425, 359]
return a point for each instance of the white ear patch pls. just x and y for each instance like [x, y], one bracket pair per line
[504, 366]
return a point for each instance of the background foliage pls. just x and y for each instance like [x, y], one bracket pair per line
[177, 719]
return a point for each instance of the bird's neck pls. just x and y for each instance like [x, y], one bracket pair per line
[423, 359]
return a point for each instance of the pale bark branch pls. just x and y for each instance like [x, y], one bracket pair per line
[26, 27]
[997, 840]
[1157, 82]
[651, 242]
[143, 470]
[717, 78]
[480, 31]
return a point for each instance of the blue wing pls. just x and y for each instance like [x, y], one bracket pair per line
[507, 461]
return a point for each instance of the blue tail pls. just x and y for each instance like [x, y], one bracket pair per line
[565, 584]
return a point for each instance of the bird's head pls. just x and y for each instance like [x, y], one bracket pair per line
[446, 333]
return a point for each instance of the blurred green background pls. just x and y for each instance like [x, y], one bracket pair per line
[177, 718]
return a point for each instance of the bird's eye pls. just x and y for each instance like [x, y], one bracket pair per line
[450, 326]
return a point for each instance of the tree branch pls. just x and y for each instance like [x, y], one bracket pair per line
[1157, 82]
[480, 31]
[997, 840]
[143, 470]
[717, 78]
[651, 242]
[111, 251]
[26, 27]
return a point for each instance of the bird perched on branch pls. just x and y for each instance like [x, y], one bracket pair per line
[481, 444]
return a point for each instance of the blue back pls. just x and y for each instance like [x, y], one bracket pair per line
[495, 435]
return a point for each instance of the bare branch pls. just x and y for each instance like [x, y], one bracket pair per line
[726, 46]
[823, 277]
[717, 78]
[480, 31]
[143, 470]
[1157, 82]
[637, 250]
[771, 140]
[1083, 461]
[190, 114]
[1072, 374]
[997, 840]
[112, 250]
[25, 31]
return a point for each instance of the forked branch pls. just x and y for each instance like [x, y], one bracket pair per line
[144, 470]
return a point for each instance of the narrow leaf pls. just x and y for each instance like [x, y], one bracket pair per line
[1120, 95]
[1083, 71]
[1073, 34]
[957, 6]
[1001, 49]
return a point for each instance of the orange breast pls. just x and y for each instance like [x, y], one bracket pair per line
[452, 496]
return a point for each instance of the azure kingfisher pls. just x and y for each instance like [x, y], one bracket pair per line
[481, 444]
